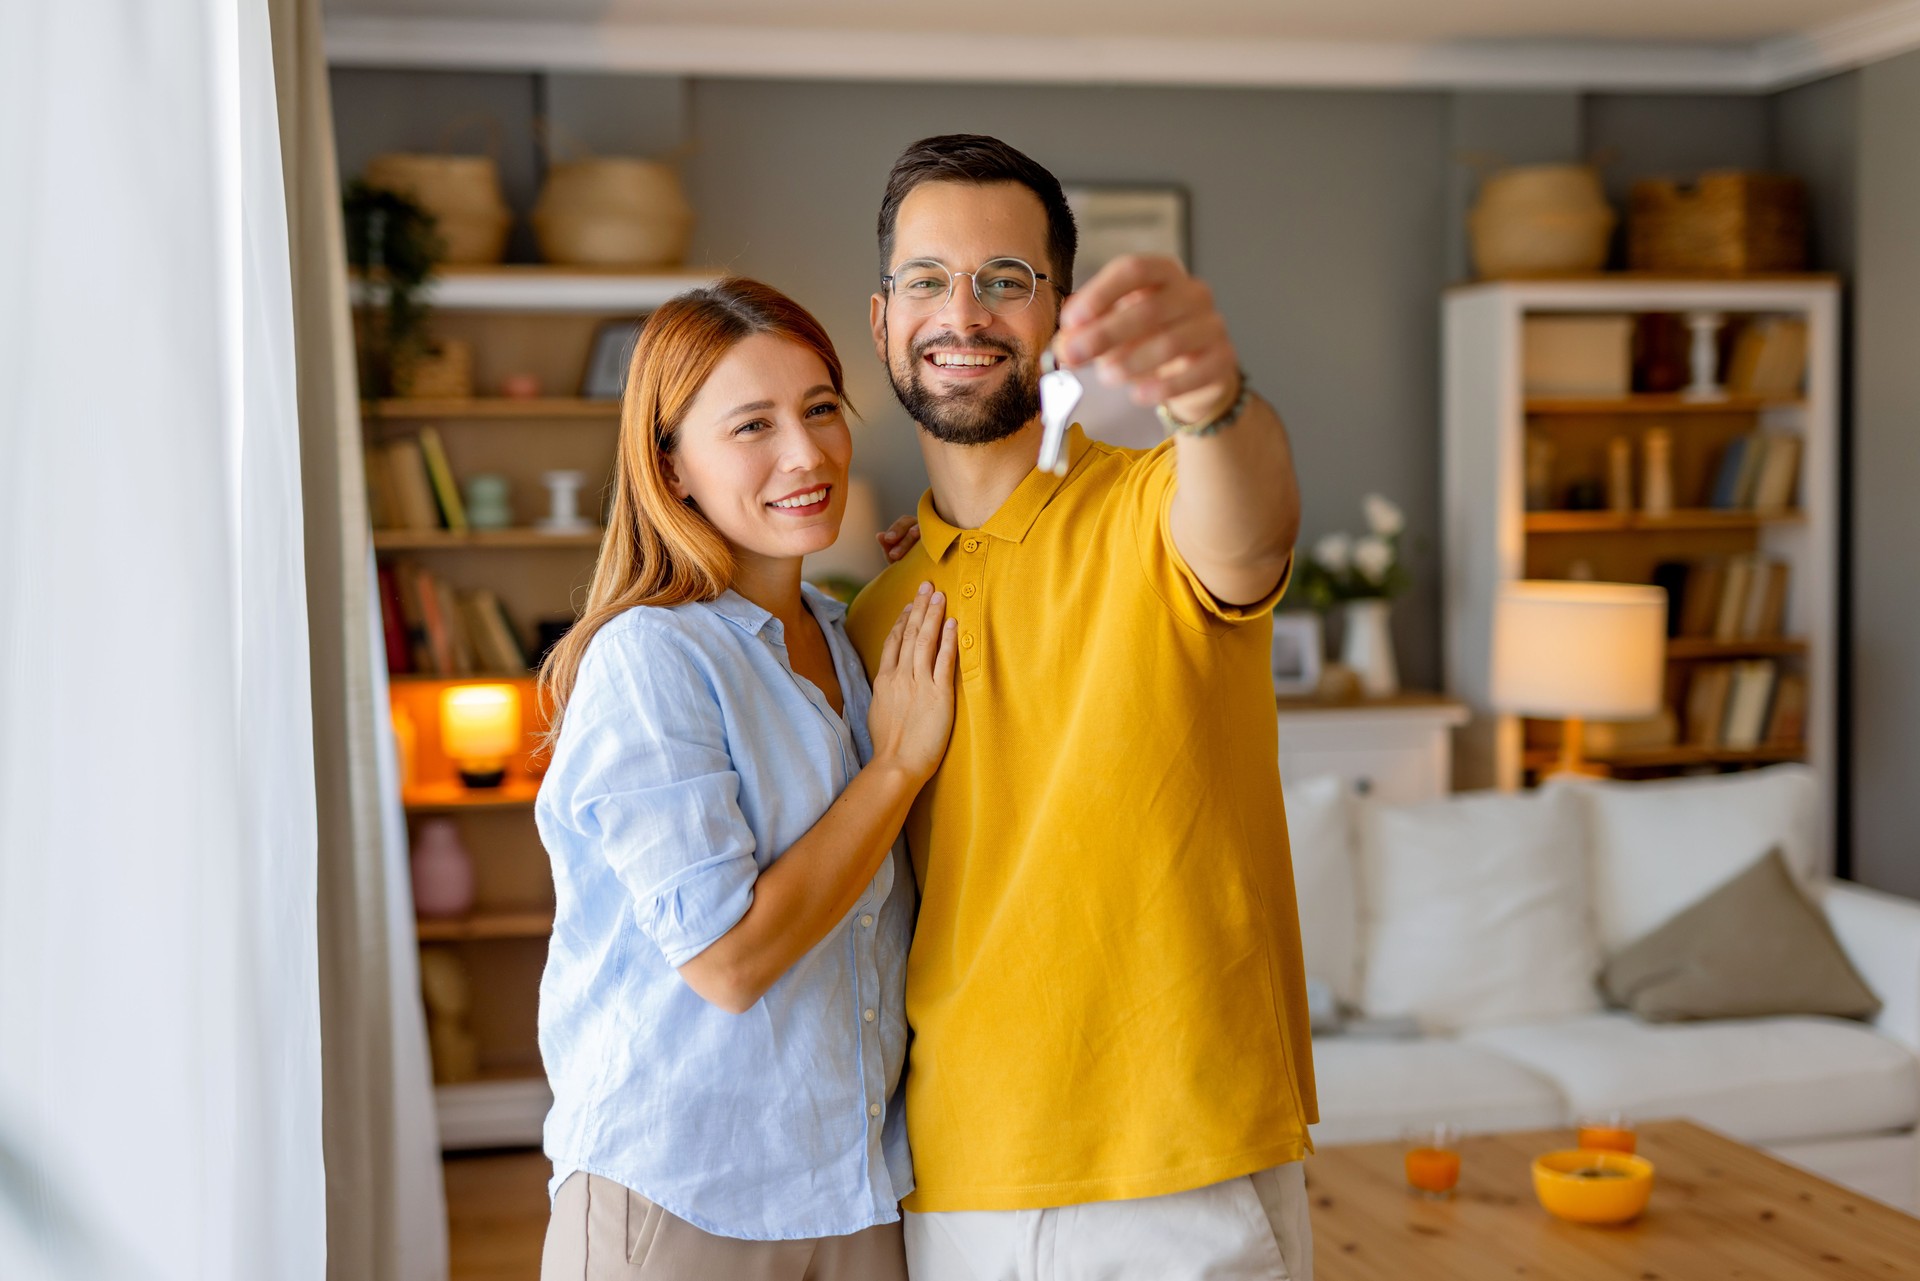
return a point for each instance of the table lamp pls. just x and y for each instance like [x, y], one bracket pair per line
[480, 730]
[1579, 651]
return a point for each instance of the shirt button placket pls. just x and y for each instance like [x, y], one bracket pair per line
[969, 609]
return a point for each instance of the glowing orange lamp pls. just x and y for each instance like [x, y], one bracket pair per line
[480, 729]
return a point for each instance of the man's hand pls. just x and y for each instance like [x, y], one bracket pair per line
[1144, 322]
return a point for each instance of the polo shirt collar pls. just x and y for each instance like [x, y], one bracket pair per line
[1016, 515]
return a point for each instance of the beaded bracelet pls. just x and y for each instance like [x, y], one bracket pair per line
[1175, 427]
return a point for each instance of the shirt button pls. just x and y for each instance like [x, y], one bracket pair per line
[968, 591]
[867, 920]
[868, 1015]
[966, 642]
[873, 1109]
[972, 544]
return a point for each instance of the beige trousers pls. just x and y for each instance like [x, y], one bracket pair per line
[1253, 1228]
[601, 1231]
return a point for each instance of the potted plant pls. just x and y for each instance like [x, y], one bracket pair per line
[395, 244]
[1360, 576]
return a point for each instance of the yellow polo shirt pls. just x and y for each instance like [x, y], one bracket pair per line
[1105, 986]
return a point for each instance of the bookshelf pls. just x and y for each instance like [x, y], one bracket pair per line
[1530, 492]
[525, 321]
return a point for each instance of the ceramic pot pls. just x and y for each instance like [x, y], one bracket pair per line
[1367, 647]
[442, 871]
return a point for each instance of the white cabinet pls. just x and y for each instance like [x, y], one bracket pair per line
[1397, 750]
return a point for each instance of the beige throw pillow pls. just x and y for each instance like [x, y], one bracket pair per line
[1752, 948]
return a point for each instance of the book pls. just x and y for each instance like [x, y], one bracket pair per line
[446, 493]
[458, 641]
[383, 505]
[1747, 704]
[1701, 598]
[412, 490]
[1769, 359]
[1725, 494]
[1707, 703]
[393, 623]
[508, 657]
[1735, 583]
[439, 634]
[1673, 575]
[1778, 472]
[414, 616]
[1787, 724]
[1769, 619]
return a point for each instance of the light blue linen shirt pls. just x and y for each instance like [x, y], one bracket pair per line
[690, 757]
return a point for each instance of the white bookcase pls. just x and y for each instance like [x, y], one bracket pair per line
[1490, 538]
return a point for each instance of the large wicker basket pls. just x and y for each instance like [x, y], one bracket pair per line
[613, 212]
[461, 192]
[1727, 223]
[1540, 220]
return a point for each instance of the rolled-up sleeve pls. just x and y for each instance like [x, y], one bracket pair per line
[643, 773]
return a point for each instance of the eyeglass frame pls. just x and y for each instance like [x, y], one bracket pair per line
[973, 282]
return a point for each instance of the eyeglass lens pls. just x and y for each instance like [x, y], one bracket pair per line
[1003, 286]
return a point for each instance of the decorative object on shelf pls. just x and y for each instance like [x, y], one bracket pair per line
[1361, 575]
[613, 211]
[1659, 353]
[1338, 684]
[442, 871]
[610, 357]
[441, 370]
[1539, 472]
[480, 729]
[1704, 356]
[563, 503]
[1769, 360]
[1540, 220]
[1574, 651]
[1116, 219]
[1620, 475]
[487, 506]
[1297, 652]
[406, 746]
[520, 386]
[448, 996]
[394, 241]
[1727, 222]
[1589, 357]
[1656, 480]
[461, 192]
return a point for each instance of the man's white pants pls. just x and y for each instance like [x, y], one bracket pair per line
[1253, 1228]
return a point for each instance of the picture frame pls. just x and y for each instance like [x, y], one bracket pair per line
[1297, 652]
[1128, 218]
[608, 357]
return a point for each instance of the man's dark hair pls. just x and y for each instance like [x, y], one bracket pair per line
[976, 158]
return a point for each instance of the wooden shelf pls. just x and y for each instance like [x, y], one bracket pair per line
[410, 408]
[518, 792]
[1679, 755]
[498, 1110]
[1549, 406]
[486, 925]
[518, 539]
[1695, 518]
[539, 287]
[1687, 648]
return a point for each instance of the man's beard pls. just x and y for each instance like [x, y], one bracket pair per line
[969, 417]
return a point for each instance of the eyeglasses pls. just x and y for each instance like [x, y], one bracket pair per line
[1004, 286]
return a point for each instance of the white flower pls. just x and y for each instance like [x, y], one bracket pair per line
[1373, 557]
[1334, 553]
[1383, 517]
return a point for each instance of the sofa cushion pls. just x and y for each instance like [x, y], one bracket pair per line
[1759, 1080]
[1659, 847]
[1752, 948]
[1475, 911]
[1372, 1090]
[1320, 834]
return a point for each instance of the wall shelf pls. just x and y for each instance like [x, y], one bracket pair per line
[518, 792]
[533, 923]
[1558, 406]
[489, 407]
[1681, 519]
[1689, 648]
[543, 288]
[501, 1111]
[521, 539]
[1678, 756]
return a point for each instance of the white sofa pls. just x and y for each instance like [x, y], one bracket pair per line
[1484, 919]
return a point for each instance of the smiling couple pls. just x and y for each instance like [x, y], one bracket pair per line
[1091, 1027]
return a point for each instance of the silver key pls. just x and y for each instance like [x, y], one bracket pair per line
[1060, 393]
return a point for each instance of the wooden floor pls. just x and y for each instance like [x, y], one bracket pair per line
[496, 1214]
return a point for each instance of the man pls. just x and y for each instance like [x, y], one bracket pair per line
[1110, 1072]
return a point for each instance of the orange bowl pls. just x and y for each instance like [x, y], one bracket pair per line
[1590, 1186]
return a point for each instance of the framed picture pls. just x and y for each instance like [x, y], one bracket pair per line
[1117, 219]
[1296, 652]
[608, 358]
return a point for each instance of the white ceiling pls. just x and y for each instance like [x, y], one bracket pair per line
[1686, 45]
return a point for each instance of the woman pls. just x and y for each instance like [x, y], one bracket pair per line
[721, 1015]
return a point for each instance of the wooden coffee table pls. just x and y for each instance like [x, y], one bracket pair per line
[1720, 1210]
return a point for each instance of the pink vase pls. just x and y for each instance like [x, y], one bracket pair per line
[442, 871]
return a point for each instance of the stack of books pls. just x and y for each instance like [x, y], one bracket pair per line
[410, 486]
[1735, 598]
[1758, 472]
[434, 629]
[1746, 705]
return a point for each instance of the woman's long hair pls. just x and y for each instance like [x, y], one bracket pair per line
[658, 550]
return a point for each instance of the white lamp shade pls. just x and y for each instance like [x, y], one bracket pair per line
[1592, 650]
[480, 722]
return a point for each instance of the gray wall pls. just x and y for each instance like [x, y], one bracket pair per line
[1327, 222]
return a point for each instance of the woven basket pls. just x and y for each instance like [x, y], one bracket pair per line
[1727, 223]
[461, 192]
[444, 373]
[613, 212]
[1541, 220]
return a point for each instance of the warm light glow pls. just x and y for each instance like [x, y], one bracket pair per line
[1591, 650]
[480, 724]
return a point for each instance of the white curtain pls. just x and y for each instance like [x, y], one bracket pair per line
[159, 1020]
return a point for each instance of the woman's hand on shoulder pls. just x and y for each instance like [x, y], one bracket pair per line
[897, 539]
[912, 714]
